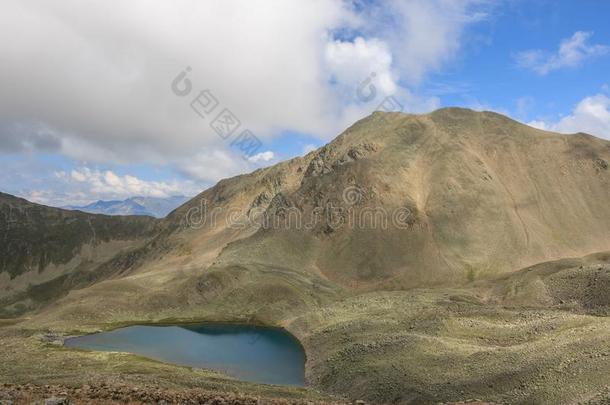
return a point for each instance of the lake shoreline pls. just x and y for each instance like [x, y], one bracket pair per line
[247, 352]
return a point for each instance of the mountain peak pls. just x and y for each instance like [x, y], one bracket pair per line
[479, 187]
[149, 206]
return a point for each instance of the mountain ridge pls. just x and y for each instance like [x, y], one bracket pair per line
[156, 207]
[451, 172]
[479, 165]
[47, 251]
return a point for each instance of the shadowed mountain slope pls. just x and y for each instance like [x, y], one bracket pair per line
[47, 251]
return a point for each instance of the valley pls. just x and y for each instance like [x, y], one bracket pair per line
[493, 285]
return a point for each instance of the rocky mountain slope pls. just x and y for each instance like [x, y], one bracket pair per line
[399, 201]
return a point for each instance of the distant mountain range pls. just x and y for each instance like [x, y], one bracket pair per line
[151, 206]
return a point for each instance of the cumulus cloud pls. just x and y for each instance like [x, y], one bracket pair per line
[99, 90]
[262, 157]
[396, 45]
[105, 83]
[422, 34]
[361, 75]
[84, 185]
[572, 52]
[106, 184]
[539, 124]
[591, 115]
[351, 62]
[209, 166]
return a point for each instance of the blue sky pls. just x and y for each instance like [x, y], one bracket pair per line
[87, 109]
[488, 70]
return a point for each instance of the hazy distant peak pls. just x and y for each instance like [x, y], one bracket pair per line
[151, 206]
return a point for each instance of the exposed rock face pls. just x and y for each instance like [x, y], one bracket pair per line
[330, 158]
[601, 164]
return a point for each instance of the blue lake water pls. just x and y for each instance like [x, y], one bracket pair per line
[249, 353]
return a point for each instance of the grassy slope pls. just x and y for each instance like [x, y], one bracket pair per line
[482, 341]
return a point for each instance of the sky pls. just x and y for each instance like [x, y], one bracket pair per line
[109, 100]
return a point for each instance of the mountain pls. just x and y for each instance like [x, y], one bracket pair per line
[418, 258]
[463, 194]
[151, 206]
[47, 251]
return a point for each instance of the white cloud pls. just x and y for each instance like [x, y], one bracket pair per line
[78, 176]
[591, 115]
[424, 34]
[108, 185]
[262, 157]
[400, 42]
[350, 63]
[104, 83]
[212, 165]
[539, 124]
[572, 52]
[98, 89]
[361, 75]
[84, 185]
